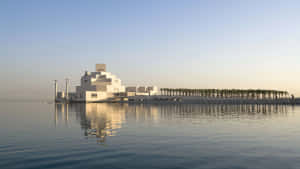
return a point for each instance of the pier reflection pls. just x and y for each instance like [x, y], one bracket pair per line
[102, 120]
[223, 109]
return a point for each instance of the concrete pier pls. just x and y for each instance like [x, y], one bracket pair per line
[208, 100]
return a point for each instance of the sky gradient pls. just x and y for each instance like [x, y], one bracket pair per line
[168, 43]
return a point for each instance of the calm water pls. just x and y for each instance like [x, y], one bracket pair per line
[41, 135]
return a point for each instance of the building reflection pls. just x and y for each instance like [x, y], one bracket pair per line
[102, 120]
[97, 120]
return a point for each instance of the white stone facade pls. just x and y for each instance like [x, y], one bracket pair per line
[99, 85]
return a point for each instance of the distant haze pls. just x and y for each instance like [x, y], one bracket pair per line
[168, 43]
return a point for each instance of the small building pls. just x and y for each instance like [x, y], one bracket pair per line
[152, 90]
[141, 90]
[131, 89]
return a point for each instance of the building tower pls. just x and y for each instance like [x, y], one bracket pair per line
[100, 67]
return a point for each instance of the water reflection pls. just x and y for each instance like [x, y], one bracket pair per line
[99, 120]
[103, 120]
[61, 112]
[223, 110]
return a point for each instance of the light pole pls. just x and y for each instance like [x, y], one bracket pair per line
[67, 89]
[55, 90]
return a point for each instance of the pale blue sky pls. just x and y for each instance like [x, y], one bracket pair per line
[168, 43]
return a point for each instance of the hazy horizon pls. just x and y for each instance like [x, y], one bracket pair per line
[176, 44]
